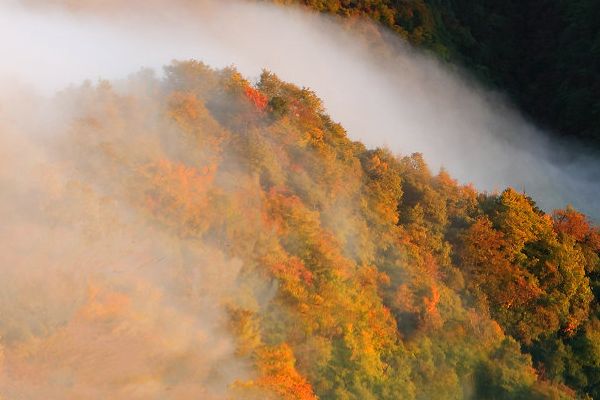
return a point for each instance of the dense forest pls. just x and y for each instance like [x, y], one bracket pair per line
[358, 273]
[544, 53]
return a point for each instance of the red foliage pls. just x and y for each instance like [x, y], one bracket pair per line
[572, 223]
[256, 97]
[293, 268]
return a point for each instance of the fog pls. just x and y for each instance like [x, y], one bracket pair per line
[382, 91]
[95, 300]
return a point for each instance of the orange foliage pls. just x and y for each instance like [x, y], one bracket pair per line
[487, 261]
[432, 302]
[291, 219]
[279, 374]
[184, 104]
[376, 166]
[178, 193]
[381, 326]
[371, 277]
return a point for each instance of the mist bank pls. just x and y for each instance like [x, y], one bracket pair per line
[97, 300]
[382, 91]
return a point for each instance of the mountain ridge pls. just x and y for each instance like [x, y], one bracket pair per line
[334, 271]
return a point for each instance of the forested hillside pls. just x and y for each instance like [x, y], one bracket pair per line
[354, 273]
[545, 54]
